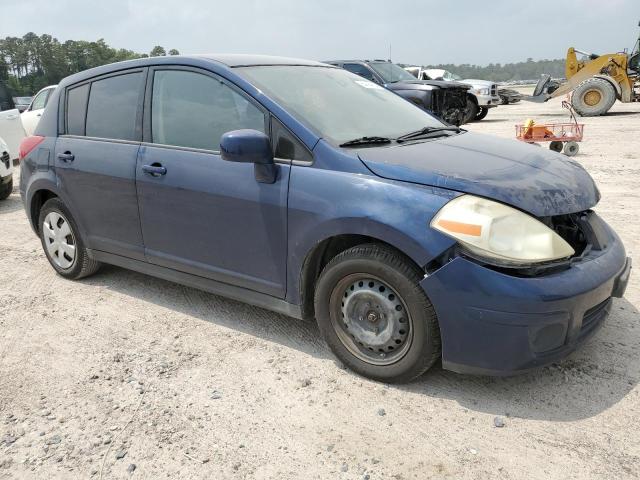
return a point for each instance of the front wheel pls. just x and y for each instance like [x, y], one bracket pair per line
[374, 315]
[471, 111]
[482, 112]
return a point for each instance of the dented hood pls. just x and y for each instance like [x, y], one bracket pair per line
[533, 179]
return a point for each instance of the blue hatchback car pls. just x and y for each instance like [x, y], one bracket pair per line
[305, 189]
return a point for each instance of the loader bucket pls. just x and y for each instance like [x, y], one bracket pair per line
[540, 92]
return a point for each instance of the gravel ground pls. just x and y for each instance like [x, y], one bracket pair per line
[126, 376]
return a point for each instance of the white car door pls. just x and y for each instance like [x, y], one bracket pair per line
[31, 116]
[11, 130]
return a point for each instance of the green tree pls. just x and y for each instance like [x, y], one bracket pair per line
[157, 51]
[173, 51]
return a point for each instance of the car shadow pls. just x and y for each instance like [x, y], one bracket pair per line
[588, 382]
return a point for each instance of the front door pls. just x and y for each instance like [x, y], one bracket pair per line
[201, 214]
[11, 129]
[96, 160]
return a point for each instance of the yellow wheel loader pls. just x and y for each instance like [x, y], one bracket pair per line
[595, 81]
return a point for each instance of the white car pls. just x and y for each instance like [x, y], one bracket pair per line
[6, 171]
[11, 129]
[31, 116]
[484, 91]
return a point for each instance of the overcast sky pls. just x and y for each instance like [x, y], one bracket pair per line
[422, 32]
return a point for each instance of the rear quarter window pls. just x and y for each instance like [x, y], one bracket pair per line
[112, 107]
[76, 109]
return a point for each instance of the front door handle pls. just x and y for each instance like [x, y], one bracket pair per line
[155, 170]
[66, 157]
[12, 117]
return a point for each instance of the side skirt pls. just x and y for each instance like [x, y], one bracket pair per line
[218, 288]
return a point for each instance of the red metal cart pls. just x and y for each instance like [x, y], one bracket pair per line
[563, 136]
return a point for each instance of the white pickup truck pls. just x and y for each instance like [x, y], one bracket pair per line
[482, 96]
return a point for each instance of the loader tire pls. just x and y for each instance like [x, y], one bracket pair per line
[593, 97]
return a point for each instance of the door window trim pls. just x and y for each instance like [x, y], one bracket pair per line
[147, 138]
[62, 117]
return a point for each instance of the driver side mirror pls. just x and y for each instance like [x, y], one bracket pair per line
[250, 146]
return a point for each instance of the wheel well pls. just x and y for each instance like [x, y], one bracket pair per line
[38, 200]
[472, 97]
[320, 256]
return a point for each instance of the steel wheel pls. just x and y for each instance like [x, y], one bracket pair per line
[59, 240]
[371, 319]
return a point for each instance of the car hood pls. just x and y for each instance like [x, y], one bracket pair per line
[424, 85]
[530, 178]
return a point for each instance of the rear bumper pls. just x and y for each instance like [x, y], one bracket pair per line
[496, 324]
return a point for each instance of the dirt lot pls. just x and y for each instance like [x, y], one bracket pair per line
[154, 380]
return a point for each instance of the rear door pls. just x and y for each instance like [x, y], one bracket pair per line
[11, 129]
[96, 160]
[203, 215]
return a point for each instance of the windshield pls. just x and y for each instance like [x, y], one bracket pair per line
[390, 72]
[336, 104]
[451, 76]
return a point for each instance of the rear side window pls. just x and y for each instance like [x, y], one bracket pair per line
[190, 109]
[76, 108]
[112, 108]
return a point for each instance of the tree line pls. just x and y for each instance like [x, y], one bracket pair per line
[496, 72]
[32, 62]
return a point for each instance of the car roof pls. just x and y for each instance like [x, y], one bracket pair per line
[358, 61]
[223, 60]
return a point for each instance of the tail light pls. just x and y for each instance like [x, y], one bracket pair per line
[28, 144]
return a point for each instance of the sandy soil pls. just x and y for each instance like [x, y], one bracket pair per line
[154, 380]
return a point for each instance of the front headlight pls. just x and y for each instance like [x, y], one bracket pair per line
[493, 230]
[482, 91]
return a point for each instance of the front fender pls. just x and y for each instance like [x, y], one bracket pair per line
[327, 203]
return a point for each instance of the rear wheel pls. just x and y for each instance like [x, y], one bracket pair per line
[595, 96]
[6, 189]
[482, 112]
[471, 111]
[61, 242]
[374, 315]
[555, 146]
[571, 149]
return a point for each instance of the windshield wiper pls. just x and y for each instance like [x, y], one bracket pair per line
[428, 131]
[365, 141]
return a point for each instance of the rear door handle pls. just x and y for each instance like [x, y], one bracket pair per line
[154, 170]
[66, 157]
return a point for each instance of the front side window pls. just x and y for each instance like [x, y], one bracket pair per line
[112, 108]
[190, 109]
[41, 100]
[337, 104]
[359, 70]
[391, 73]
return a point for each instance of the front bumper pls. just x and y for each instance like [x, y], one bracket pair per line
[496, 324]
[488, 100]
[7, 179]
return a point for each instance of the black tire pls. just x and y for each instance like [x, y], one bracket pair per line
[471, 111]
[6, 189]
[593, 97]
[482, 112]
[571, 149]
[422, 346]
[556, 146]
[82, 265]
